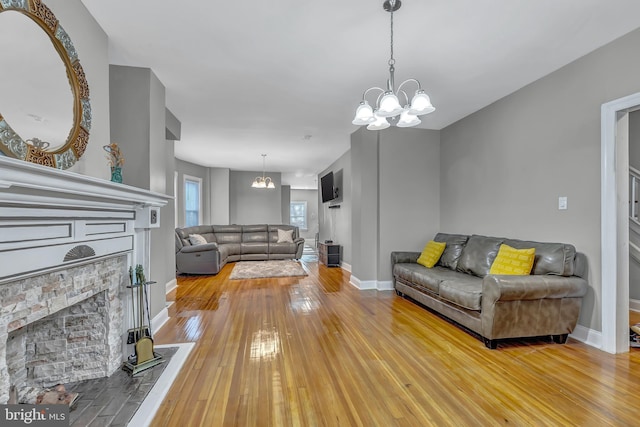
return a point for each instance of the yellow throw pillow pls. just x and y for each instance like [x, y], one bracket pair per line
[515, 262]
[431, 253]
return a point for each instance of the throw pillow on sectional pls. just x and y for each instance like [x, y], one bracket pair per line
[196, 239]
[285, 236]
[431, 253]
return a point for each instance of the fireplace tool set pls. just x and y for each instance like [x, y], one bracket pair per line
[140, 335]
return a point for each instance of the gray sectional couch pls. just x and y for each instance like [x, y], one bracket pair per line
[545, 303]
[225, 243]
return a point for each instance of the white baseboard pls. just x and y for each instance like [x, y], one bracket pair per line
[159, 319]
[588, 336]
[147, 410]
[171, 285]
[385, 285]
[634, 305]
[346, 266]
[366, 285]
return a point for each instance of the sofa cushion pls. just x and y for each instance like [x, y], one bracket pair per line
[431, 253]
[451, 254]
[433, 277]
[285, 236]
[465, 291]
[478, 255]
[513, 262]
[196, 239]
[551, 258]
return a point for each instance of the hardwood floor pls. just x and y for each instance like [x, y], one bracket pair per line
[315, 351]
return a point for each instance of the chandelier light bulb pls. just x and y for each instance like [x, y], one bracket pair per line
[379, 124]
[407, 119]
[421, 104]
[389, 105]
[364, 114]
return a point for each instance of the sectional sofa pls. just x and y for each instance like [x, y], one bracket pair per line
[225, 243]
[545, 303]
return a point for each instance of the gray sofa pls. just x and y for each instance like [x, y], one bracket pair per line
[227, 243]
[545, 303]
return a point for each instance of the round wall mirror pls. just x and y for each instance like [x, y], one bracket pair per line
[45, 115]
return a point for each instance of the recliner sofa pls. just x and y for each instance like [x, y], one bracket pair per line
[546, 302]
[227, 243]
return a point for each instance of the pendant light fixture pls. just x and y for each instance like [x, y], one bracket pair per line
[388, 102]
[262, 181]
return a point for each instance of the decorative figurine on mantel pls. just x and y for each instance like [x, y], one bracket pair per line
[145, 357]
[116, 160]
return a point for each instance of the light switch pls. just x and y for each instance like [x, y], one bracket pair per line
[562, 203]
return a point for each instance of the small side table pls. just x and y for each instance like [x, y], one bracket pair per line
[329, 254]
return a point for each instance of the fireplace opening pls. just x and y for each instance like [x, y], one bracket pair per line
[63, 327]
[65, 347]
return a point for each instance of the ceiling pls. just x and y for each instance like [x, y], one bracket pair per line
[284, 78]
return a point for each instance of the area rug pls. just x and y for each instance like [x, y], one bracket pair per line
[256, 269]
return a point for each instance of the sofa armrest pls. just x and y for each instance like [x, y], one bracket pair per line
[519, 288]
[299, 247]
[212, 246]
[403, 257]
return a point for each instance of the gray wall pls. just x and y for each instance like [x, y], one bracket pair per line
[336, 224]
[311, 197]
[91, 43]
[137, 109]
[409, 192]
[219, 181]
[285, 203]
[364, 215]
[503, 167]
[249, 205]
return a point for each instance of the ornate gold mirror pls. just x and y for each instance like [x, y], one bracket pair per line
[45, 118]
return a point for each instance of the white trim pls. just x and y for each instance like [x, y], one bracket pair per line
[147, 410]
[366, 285]
[588, 336]
[363, 285]
[615, 245]
[186, 178]
[160, 319]
[171, 285]
[634, 305]
[346, 266]
[385, 285]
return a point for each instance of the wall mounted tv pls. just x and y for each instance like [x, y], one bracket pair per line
[326, 187]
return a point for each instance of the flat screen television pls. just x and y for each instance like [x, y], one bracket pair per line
[326, 187]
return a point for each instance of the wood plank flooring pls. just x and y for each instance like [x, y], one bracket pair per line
[315, 351]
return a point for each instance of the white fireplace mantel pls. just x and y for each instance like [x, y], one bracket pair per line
[51, 219]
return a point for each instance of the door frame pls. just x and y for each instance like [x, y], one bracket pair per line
[615, 222]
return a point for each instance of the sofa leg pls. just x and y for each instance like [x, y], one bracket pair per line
[560, 339]
[491, 344]
[400, 294]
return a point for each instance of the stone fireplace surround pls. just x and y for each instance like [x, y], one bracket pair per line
[66, 241]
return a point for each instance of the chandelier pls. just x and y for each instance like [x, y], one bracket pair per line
[262, 181]
[387, 104]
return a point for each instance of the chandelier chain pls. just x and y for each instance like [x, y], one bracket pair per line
[391, 60]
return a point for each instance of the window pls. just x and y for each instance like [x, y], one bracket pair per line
[298, 214]
[192, 201]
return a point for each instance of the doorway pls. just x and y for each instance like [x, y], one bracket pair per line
[615, 222]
